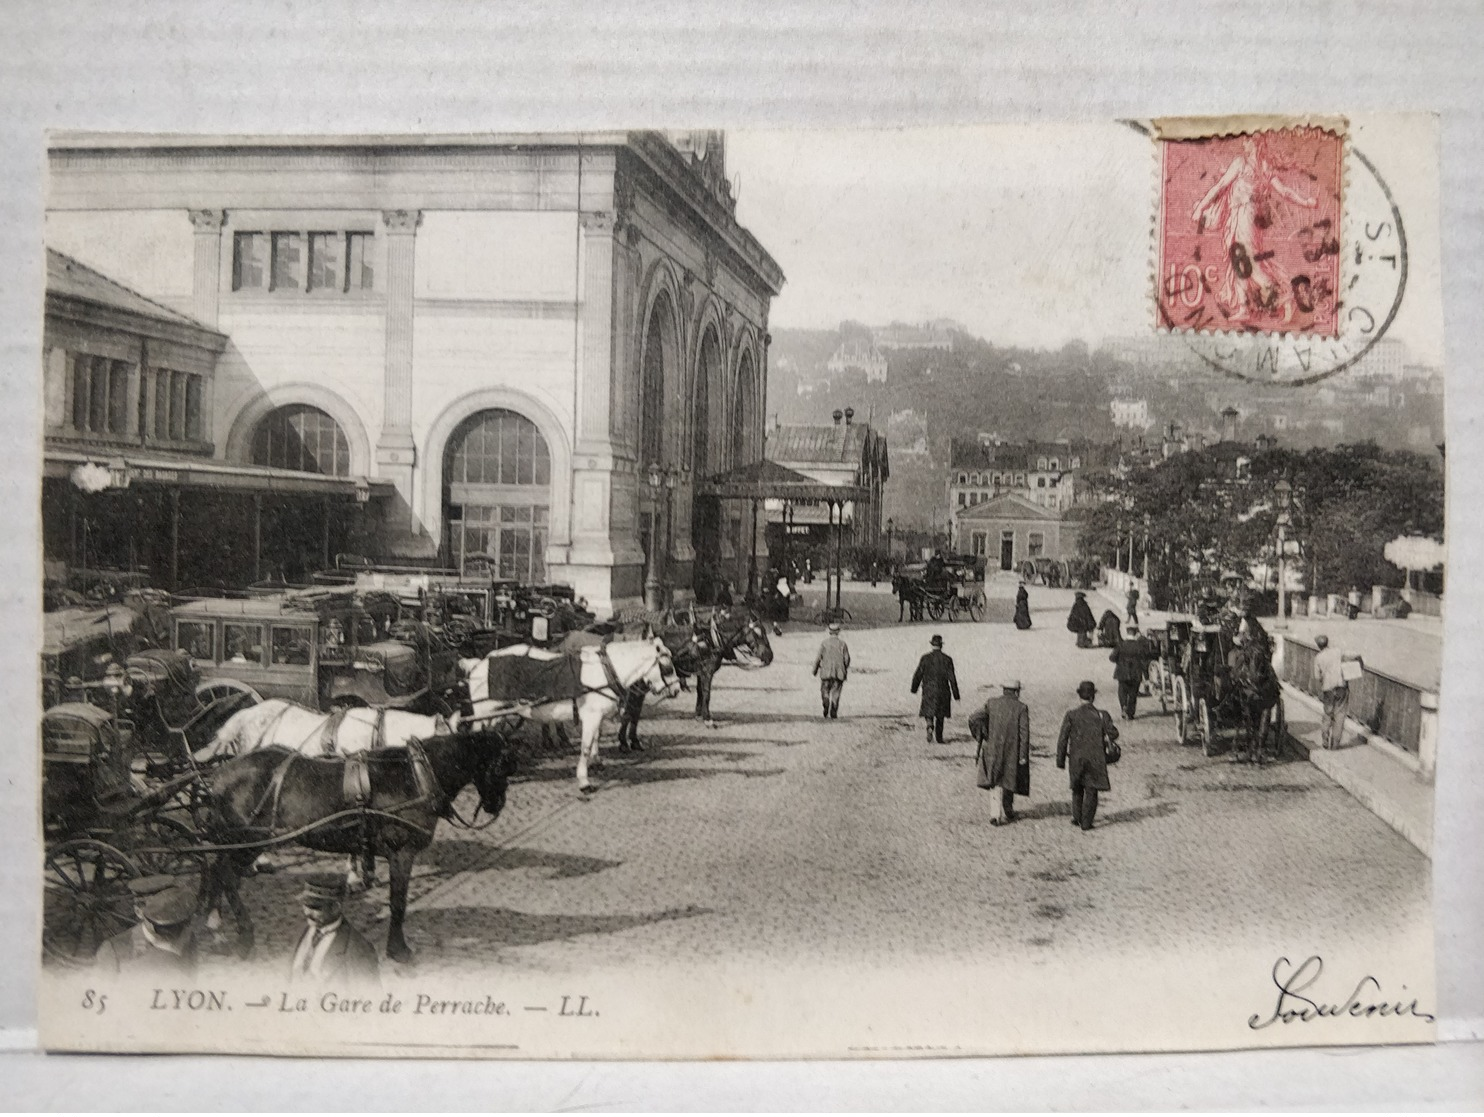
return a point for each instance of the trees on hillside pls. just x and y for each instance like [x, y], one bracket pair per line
[1205, 514]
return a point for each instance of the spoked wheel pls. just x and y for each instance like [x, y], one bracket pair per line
[164, 845]
[935, 608]
[213, 690]
[1182, 710]
[1204, 727]
[86, 900]
[975, 605]
[1164, 687]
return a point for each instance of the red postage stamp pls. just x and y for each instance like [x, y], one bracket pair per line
[1249, 232]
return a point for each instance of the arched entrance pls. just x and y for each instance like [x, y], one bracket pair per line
[497, 495]
[705, 527]
[297, 535]
[659, 360]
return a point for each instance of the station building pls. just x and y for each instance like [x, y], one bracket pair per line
[525, 350]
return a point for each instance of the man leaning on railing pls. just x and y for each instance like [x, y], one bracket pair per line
[1329, 678]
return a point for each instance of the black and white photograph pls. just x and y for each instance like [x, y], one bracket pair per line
[736, 593]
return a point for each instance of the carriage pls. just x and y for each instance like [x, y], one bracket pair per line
[1212, 704]
[960, 595]
[1045, 571]
[108, 817]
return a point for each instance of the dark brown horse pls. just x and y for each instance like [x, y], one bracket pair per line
[391, 812]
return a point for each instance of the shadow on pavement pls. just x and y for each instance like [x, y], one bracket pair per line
[1134, 814]
[456, 855]
[499, 927]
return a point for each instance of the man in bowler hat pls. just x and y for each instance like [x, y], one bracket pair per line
[330, 951]
[1080, 749]
[939, 687]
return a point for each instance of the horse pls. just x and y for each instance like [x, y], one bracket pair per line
[910, 596]
[277, 723]
[598, 679]
[389, 805]
[1255, 691]
[700, 651]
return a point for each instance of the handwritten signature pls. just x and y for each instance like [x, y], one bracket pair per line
[1293, 1005]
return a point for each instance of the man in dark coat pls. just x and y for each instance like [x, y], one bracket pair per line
[1130, 660]
[1080, 749]
[1022, 608]
[330, 951]
[1003, 730]
[939, 689]
[162, 945]
[1080, 621]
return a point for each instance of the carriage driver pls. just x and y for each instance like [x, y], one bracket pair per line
[330, 950]
[163, 942]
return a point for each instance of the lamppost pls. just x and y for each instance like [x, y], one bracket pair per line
[1146, 548]
[654, 586]
[890, 527]
[1284, 492]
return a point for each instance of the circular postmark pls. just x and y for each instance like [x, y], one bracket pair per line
[1372, 258]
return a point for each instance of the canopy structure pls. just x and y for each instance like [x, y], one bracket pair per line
[767, 480]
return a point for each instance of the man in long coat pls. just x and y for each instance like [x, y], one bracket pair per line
[1130, 661]
[1080, 749]
[939, 686]
[1003, 730]
[1080, 621]
[162, 944]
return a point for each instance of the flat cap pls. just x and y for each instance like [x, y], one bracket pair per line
[170, 906]
[324, 888]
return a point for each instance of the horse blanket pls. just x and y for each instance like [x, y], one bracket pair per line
[534, 679]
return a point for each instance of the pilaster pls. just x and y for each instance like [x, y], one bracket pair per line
[206, 279]
[396, 455]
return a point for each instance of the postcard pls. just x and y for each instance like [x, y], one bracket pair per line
[721, 594]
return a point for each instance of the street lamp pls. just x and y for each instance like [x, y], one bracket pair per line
[890, 527]
[653, 586]
[1284, 492]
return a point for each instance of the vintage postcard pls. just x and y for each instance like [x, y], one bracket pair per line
[724, 594]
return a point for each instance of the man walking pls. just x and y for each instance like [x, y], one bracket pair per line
[1003, 730]
[939, 689]
[1334, 690]
[1132, 604]
[832, 665]
[1130, 660]
[1081, 749]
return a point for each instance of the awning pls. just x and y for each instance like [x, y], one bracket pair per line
[767, 480]
[126, 469]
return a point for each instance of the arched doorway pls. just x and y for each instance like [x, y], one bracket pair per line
[296, 534]
[705, 526]
[659, 360]
[497, 495]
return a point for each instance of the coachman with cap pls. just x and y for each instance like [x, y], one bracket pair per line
[330, 951]
[163, 941]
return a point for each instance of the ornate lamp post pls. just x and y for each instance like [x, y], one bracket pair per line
[890, 527]
[653, 582]
[1284, 492]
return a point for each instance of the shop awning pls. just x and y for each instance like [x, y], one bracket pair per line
[767, 480]
[126, 469]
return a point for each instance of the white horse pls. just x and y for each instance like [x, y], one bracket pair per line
[286, 725]
[604, 676]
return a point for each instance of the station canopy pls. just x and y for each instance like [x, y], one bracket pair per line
[767, 480]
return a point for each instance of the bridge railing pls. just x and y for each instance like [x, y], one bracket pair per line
[1387, 706]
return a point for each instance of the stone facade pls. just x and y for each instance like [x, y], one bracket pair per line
[409, 289]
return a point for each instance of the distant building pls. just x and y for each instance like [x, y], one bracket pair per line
[1007, 530]
[845, 453]
[929, 335]
[1043, 474]
[861, 356]
[1133, 413]
[907, 433]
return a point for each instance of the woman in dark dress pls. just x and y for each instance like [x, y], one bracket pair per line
[1022, 608]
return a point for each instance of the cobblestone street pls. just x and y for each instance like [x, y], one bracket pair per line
[780, 836]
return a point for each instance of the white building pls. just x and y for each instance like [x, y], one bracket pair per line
[1133, 413]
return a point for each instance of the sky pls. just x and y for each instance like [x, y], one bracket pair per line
[1030, 235]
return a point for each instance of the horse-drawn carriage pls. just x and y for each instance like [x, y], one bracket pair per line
[1221, 688]
[956, 593]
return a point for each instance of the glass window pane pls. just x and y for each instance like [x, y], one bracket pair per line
[242, 643]
[196, 639]
[325, 261]
[248, 254]
[359, 273]
[193, 407]
[80, 391]
[118, 398]
[98, 394]
[288, 261]
[162, 403]
[177, 405]
[291, 647]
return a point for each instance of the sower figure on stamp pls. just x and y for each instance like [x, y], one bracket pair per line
[1003, 730]
[832, 665]
[1081, 749]
[939, 686]
[330, 950]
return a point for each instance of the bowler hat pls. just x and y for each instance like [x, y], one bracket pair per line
[1086, 691]
[1010, 684]
[169, 907]
[324, 888]
[936, 641]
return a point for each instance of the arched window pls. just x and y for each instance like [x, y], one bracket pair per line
[301, 438]
[497, 486]
[659, 347]
[744, 416]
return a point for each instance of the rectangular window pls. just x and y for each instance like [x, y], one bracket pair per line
[242, 643]
[98, 395]
[290, 647]
[81, 393]
[1037, 544]
[249, 261]
[197, 639]
[193, 425]
[962, 500]
[326, 261]
[288, 262]
[162, 404]
[359, 274]
[118, 398]
[177, 405]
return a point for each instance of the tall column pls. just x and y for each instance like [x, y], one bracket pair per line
[206, 283]
[396, 455]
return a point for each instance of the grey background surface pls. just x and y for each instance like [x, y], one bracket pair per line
[411, 67]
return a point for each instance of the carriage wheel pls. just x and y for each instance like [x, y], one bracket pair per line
[935, 608]
[975, 605]
[163, 845]
[1203, 727]
[213, 690]
[1182, 710]
[1163, 682]
[87, 899]
[1028, 572]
